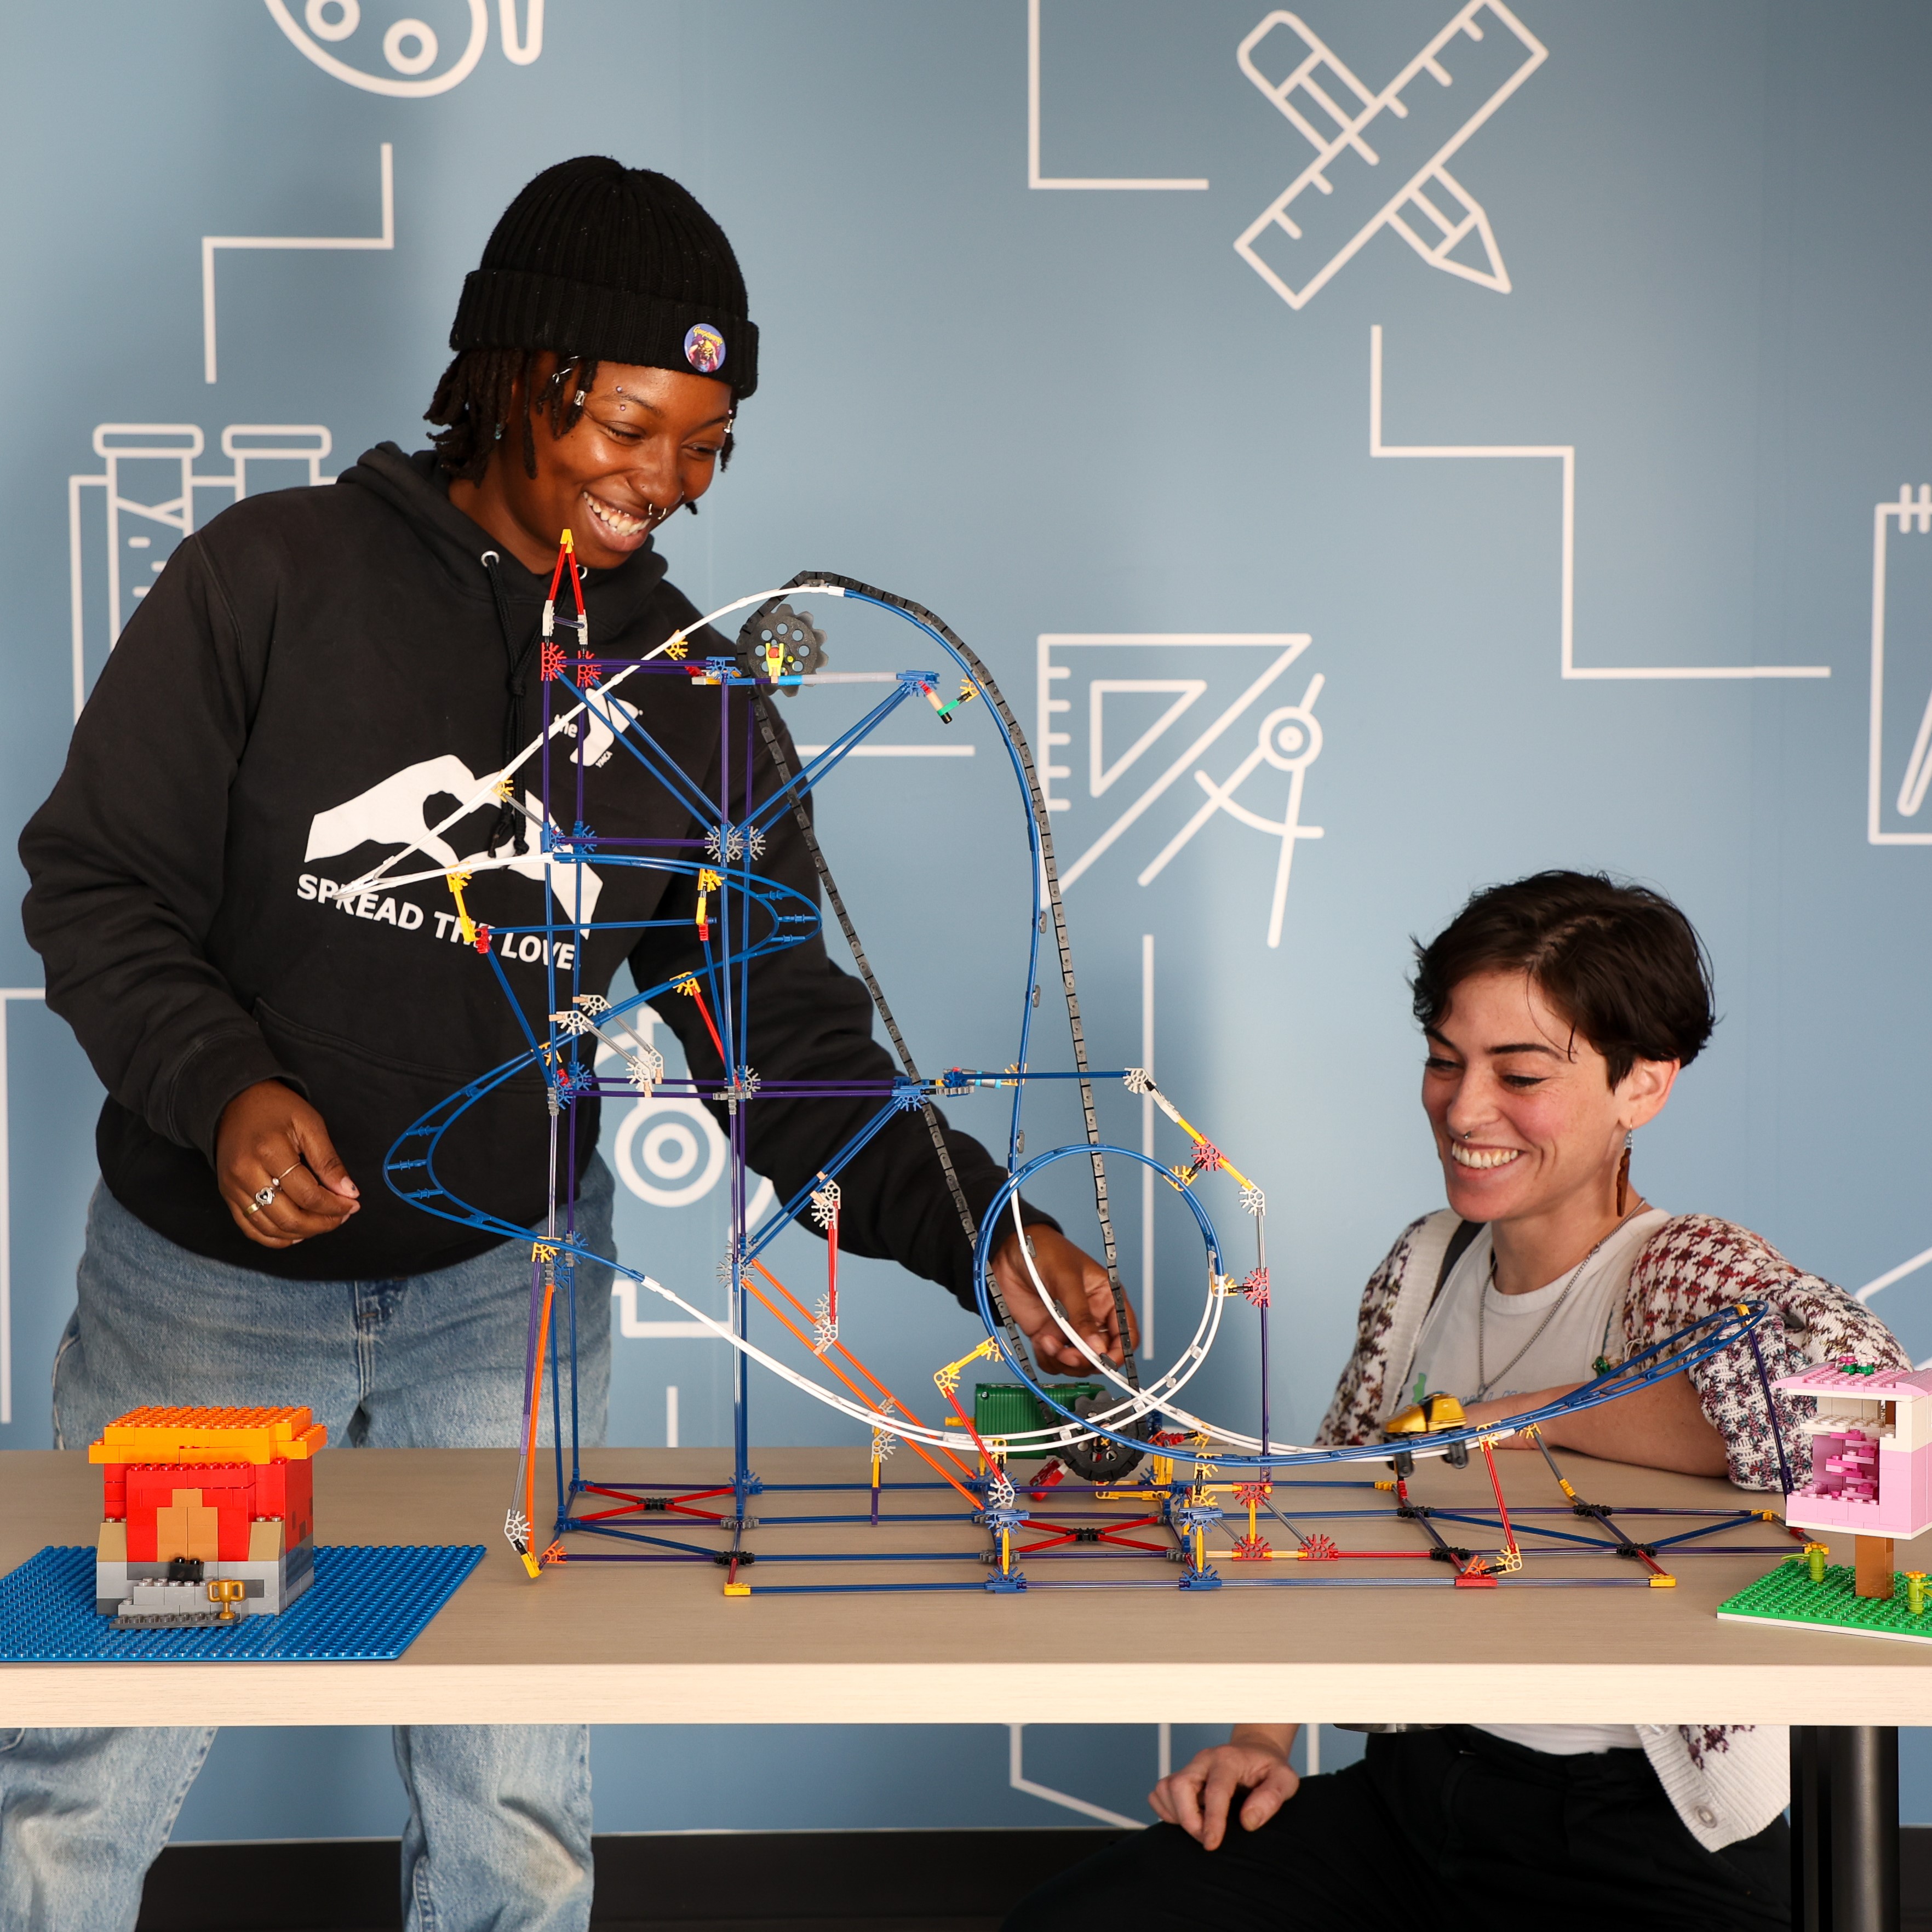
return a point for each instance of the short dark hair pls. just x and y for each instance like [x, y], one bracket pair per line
[1620, 962]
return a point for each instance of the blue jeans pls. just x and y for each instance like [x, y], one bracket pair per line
[499, 1829]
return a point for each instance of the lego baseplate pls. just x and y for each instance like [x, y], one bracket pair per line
[366, 1604]
[1788, 1596]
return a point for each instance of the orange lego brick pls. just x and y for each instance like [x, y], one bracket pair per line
[210, 1434]
[187, 1527]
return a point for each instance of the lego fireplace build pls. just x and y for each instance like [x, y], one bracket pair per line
[207, 1515]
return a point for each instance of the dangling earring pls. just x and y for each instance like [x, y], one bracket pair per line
[1623, 1176]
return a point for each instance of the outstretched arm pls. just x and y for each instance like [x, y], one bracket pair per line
[1661, 1427]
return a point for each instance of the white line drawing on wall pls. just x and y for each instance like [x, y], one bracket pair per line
[210, 244]
[8, 994]
[1034, 178]
[1398, 179]
[172, 449]
[410, 46]
[1564, 453]
[1909, 514]
[1018, 1781]
[661, 1144]
[1891, 1275]
[523, 50]
[1289, 739]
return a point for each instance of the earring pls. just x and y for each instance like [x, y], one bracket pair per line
[1623, 1176]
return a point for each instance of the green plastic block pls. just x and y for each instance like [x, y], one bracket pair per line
[1789, 1597]
[1004, 1408]
[1007, 1408]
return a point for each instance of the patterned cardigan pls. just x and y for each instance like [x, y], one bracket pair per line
[1727, 1782]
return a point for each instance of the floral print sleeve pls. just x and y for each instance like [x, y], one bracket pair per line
[1354, 1414]
[1694, 1265]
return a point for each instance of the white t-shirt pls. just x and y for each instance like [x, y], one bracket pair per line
[1518, 1356]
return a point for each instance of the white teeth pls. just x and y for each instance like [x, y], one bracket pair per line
[624, 526]
[1482, 1156]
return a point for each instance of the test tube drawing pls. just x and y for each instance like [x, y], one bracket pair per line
[1909, 515]
[148, 484]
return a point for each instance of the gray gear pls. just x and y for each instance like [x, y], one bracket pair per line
[801, 640]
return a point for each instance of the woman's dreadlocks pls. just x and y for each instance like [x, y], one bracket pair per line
[476, 400]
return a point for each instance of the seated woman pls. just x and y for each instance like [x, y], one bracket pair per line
[1559, 1011]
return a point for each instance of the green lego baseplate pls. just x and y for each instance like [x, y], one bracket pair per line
[1010, 1408]
[1789, 1597]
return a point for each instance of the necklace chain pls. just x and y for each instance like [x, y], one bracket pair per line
[1484, 1380]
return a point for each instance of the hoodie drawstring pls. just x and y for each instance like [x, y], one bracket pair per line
[508, 828]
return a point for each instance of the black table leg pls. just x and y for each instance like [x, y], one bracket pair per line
[1844, 1829]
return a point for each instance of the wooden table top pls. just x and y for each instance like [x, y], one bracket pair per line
[621, 1643]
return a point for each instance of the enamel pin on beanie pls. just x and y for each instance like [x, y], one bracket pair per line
[623, 265]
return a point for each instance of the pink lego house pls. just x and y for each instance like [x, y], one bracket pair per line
[1871, 1451]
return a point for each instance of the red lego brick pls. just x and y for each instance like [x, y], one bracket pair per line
[114, 1490]
[287, 1490]
[238, 1493]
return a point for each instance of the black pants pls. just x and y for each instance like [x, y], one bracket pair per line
[1429, 1826]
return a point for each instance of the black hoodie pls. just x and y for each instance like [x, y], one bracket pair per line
[304, 689]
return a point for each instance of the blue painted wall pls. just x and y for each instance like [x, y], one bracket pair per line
[1070, 413]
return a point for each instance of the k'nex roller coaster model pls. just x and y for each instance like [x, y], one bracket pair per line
[1136, 1484]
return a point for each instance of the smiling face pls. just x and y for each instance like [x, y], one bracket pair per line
[646, 443]
[1526, 1122]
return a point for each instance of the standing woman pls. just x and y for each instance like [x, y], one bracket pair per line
[315, 681]
[1558, 1012]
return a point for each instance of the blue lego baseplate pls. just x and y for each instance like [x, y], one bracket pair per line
[366, 1604]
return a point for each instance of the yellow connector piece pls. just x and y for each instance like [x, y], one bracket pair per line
[737, 1589]
[530, 1563]
[456, 881]
[1663, 1582]
[947, 1380]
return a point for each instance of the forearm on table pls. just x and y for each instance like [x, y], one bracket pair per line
[1661, 1427]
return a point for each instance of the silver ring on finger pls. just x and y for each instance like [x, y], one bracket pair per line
[264, 1197]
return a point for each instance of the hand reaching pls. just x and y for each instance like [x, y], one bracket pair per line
[1078, 1283]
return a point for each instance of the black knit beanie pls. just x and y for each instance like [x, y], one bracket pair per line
[594, 259]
